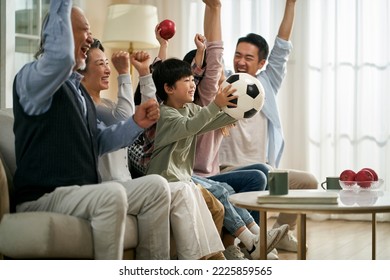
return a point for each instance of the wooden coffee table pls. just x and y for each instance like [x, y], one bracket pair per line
[349, 202]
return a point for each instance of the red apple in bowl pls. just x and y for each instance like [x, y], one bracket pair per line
[364, 178]
[167, 29]
[347, 175]
[376, 178]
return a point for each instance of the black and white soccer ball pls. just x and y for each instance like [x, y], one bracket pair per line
[250, 94]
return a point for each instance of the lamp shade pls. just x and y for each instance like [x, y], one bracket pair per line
[130, 26]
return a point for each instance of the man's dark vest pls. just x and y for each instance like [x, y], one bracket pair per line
[57, 148]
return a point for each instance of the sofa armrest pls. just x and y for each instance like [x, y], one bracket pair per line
[4, 195]
[45, 235]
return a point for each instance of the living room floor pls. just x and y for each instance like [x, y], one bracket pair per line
[342, 240]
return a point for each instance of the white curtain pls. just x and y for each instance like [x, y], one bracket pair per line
[347, 86]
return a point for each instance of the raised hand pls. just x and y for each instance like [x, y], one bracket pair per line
[162, 52]
[200, 42]
[160, 39]
[121, 62]
[147, 113]
[141, 61]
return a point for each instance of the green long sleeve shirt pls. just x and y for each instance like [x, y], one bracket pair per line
[175, 142]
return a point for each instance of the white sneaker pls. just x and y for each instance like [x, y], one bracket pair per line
[273, 255]
[283, 233]
[288, 243]
[234, 253]
[273, 237]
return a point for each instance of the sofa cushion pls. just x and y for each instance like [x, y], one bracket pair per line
[45, 235]
[34, 235]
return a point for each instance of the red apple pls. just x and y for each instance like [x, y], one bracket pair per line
[376, 178]
[347, 175]
[364, 178]
[168, 29]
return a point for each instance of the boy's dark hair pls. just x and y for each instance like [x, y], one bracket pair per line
[259, 42]
[168, 73]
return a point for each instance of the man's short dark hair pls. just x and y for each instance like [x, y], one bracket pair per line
[258, 41]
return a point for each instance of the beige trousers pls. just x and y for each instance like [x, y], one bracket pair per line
[106, 205]
[195, 234]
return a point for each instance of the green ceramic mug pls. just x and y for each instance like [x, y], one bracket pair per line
[278, 182]
[332, 183]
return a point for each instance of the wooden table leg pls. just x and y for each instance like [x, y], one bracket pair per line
[373, 242]
[263, 235]
[301, 223]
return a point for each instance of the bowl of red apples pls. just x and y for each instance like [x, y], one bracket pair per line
[364, 179]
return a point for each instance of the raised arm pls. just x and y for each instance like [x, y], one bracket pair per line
[200, 43]
[286, 26]
[163, 50]
[212, 20]
[141, 61]
[208, 87]
[125, 105]
[37, 82]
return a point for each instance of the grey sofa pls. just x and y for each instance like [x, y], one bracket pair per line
[43, 235]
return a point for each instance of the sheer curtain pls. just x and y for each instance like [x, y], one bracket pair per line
[347, 86]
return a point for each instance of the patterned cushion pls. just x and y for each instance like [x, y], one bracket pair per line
[140, 152]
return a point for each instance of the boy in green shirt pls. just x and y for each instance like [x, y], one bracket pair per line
[181, 120]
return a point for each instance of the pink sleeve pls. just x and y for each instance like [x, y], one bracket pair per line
[208, 87]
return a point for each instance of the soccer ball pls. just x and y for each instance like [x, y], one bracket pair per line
[250, 94]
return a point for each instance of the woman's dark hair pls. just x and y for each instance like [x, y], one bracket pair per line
[189, 57]
[259, 42]
[168, 72]
[95, 45]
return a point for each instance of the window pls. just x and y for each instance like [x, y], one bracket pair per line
[28, 19]
[20, 34]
